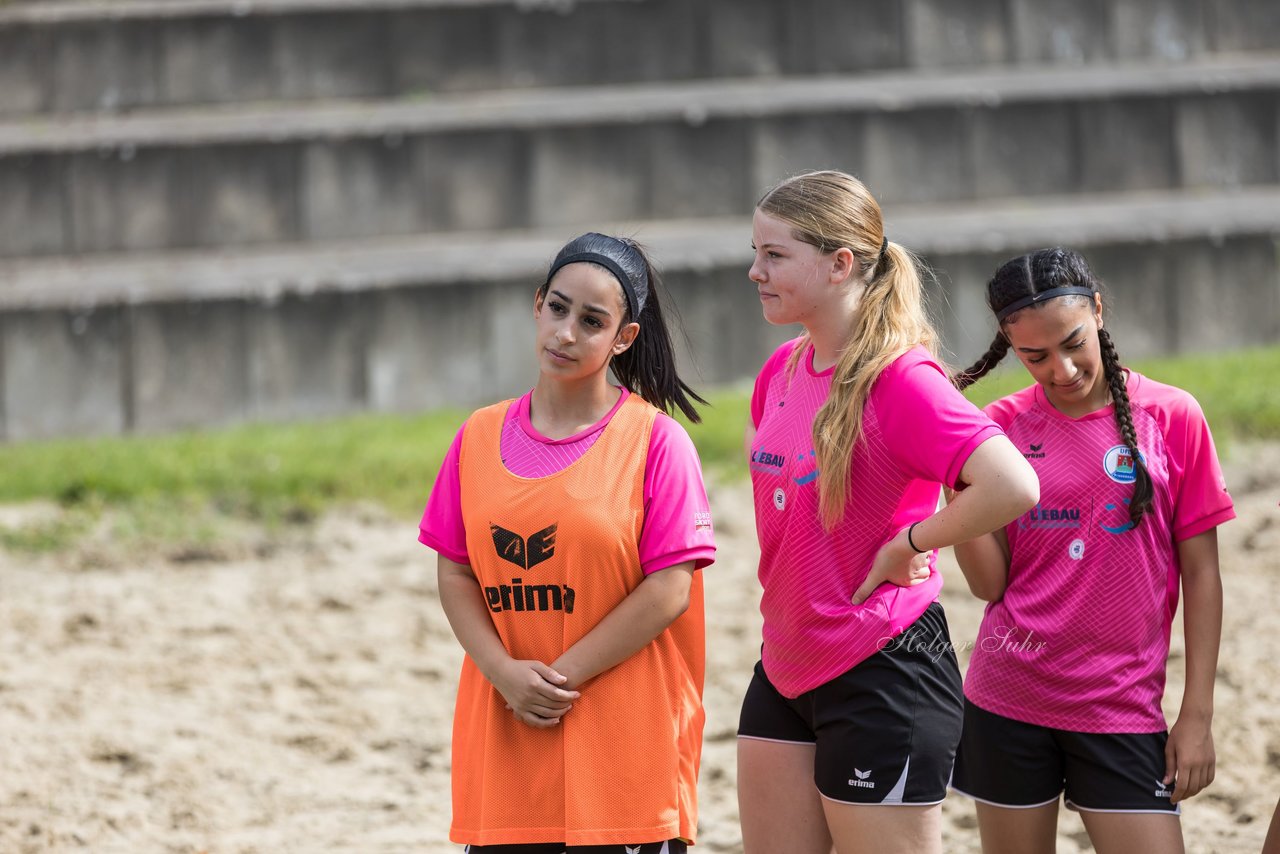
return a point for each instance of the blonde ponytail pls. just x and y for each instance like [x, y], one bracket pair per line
[831, 210]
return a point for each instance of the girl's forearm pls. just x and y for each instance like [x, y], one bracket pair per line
[1202, 620]
[633, 624]
[463, 603]
[985, 564]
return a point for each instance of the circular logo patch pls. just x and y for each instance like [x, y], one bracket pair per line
[1076, 549]
[1118, 464]
[779, 498]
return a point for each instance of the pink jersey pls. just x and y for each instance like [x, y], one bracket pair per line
[918, 433]
[1080, 639]
[677, 521]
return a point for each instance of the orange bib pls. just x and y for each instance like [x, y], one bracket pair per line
[553, 556]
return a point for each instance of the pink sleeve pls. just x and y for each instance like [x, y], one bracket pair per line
[441, 527]
[1200, 497]
[1006, 409]
[929, 428]
[775, 363]
[677, 516]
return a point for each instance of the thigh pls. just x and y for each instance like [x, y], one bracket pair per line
[1007, 763]
[778, 805]
[887, 729]
[1116, 772]
[1126, 832]
[1025, 830]
[863, 829]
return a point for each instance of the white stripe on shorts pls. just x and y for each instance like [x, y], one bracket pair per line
[778, 740]
[1052, 800]
[1177, 810]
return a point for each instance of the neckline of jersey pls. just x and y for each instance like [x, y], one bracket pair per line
[523, 409]
[1132, 381]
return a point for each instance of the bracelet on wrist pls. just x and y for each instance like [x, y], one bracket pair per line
[912, 542]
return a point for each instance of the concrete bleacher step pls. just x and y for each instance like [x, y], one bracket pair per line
[539, 159]
[120, 55]
[278, 270]
[169, 340]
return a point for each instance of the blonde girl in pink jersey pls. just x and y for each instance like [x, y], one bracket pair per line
[849, 726]
[1064, 688]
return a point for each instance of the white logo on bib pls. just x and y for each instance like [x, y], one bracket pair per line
[1076, 549]
[779, 499]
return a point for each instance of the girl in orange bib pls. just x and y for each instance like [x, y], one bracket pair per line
[570, 525]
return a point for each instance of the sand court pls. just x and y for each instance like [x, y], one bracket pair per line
[293, 691]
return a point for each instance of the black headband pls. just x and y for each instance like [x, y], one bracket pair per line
[609, 264]
[1018, 305]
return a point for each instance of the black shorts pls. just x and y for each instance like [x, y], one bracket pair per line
[674, 846]
[1009, 763]
[885, 732]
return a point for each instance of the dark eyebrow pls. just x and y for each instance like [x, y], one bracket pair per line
[594, 309]
[1074, 333]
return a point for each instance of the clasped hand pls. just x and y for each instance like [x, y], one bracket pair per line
[533, 692]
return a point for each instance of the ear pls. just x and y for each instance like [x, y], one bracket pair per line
[1097, 308]
[538, 297]
[843, 263]
[626, 337]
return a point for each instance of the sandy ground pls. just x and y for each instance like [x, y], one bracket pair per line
[293, 692]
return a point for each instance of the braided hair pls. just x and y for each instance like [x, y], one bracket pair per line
[1037, 272]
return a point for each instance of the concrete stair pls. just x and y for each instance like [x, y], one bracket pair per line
[319, 171]
[296, 228]
[165, 340]
[119, 55]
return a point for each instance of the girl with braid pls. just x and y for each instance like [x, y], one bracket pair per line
[569, 527]
[849, 725]
[1064, 688]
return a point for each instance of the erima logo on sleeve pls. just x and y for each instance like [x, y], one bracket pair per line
[525, 554]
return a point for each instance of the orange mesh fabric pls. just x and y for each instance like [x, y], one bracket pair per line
[554, 555]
